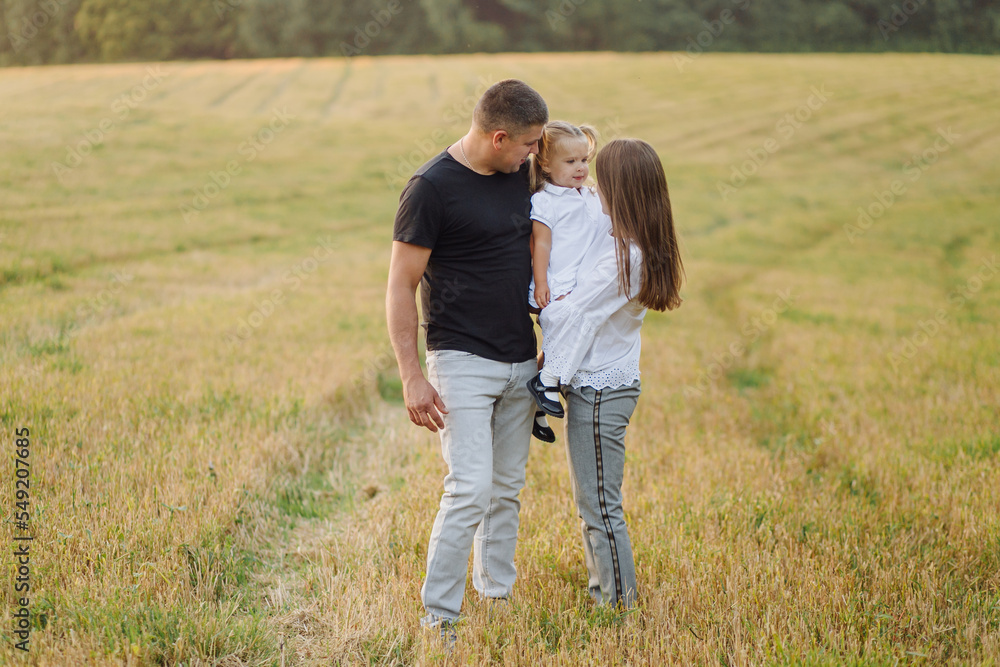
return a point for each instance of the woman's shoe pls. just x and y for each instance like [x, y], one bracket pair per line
[546, 404]
[542, 431]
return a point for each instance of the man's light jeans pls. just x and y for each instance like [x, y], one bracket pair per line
[485, 444]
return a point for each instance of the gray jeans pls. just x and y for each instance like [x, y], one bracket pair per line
[485, 444]
[595, 433]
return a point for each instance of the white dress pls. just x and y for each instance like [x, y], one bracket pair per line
[591, 338]
[575, 217]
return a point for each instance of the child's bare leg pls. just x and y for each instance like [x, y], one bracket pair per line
[541, 420]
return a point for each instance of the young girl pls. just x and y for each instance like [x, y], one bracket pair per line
[592, 344]
[566, 216]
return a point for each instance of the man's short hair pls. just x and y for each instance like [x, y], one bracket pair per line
[510, 105]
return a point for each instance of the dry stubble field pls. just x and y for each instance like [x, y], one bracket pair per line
[192, 330]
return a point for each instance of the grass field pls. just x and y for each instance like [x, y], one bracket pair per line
[192, 268]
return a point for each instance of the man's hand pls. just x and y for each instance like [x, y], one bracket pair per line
[406, 267]
[423, 404]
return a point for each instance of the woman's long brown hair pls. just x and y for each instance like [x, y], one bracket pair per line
[631, 180]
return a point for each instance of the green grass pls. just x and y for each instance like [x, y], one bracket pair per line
[222, 470]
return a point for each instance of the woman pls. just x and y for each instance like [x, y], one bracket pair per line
[594, 350]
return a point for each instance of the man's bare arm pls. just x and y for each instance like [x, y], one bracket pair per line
[406, 267]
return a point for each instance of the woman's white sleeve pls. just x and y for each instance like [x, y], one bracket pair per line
[570, 326]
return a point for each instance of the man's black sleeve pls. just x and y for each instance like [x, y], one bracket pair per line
[420, 214]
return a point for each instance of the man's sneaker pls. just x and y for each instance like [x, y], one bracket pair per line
[443, 628]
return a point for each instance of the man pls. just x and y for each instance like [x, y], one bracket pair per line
[462, 233]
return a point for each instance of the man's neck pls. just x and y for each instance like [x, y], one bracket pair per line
[470, 152]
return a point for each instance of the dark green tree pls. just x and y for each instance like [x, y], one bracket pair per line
[34, 32]
[112, 30]
[51, 31]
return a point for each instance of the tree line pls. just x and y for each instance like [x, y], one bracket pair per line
[63, 31]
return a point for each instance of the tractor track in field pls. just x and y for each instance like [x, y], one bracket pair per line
[434, 87]
[181, 85]
[708, 141]
[234, 89]
[280, 89]
[846, 128]
[73, 267]
[719, 295]
[927, 116]
[338, 89]
[180, 247]
[378, 89]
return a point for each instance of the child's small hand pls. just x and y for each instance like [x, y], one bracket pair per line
[542, 296]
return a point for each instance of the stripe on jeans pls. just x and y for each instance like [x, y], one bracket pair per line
[600, 496]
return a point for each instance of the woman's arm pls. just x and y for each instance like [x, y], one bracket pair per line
[571, 324]
[541, 249]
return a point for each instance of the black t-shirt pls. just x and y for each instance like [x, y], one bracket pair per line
[474, 293]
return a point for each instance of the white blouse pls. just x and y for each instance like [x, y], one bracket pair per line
[575, 217]
[591, 337]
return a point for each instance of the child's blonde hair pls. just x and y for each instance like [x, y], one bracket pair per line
[554, 132]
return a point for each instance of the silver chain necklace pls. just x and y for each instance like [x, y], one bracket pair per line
[462, 148]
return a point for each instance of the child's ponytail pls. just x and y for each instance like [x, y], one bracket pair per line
[591, 133]
[536, 177]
